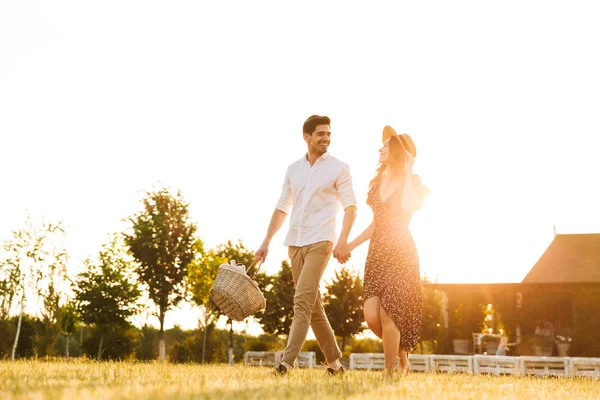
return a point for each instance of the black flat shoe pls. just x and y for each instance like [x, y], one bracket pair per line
[340, 371]
[281, 370]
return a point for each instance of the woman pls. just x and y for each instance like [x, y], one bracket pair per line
[392, 282]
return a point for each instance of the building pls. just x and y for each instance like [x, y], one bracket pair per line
[560, 296]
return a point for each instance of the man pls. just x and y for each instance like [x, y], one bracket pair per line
[314, 186]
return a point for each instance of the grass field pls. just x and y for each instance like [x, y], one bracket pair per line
[123, 380]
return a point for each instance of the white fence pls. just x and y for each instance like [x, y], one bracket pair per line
[260, 358]
[371, 361]
[583, 366]
[477, 364]
[451, 364]
[306, 359]
[545, 366]
[495, 365]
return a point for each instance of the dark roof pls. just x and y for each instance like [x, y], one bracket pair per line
[573, 258]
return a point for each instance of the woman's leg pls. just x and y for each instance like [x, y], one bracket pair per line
[391, 341]
[371, 311]
[404, 363]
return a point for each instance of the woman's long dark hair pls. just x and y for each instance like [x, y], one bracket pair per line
[396, 161]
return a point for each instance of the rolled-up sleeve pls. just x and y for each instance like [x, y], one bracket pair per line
[285, 200]
[344, 187]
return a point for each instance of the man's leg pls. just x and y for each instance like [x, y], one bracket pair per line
[308, 264]
[323, 332]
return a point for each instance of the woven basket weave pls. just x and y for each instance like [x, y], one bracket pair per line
[235, 293]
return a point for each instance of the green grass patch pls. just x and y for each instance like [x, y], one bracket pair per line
[79, 379]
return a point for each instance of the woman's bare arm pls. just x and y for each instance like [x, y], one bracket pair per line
[363, 237]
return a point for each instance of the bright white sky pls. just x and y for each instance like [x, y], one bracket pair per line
[100, 101]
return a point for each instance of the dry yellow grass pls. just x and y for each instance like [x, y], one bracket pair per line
[123, 380]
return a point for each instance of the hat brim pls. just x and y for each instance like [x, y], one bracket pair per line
[404, 139]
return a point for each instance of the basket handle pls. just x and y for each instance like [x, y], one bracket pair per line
[260, 264]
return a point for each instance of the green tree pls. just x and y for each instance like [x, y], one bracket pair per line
[48, 328]
[105, 292]
[162, 242]
[9, 282]
[68, 323]
[279, 291]
[343, 303]
[34, 264]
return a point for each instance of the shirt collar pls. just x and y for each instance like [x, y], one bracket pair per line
[323, 157]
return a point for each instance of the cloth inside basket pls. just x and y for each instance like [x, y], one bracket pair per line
[232, 265]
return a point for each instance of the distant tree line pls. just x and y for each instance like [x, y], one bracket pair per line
[151, 267]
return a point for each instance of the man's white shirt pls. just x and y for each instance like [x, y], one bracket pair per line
[314, 194]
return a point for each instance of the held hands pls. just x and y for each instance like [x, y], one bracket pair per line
[342, 252]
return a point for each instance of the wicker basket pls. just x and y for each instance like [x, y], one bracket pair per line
[235, 293]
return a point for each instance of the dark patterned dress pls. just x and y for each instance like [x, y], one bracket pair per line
[392, 266]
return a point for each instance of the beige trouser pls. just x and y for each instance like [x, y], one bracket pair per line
[308, 264]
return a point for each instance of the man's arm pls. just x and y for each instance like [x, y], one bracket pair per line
[276, 222]
[348, 200]
[284, 204]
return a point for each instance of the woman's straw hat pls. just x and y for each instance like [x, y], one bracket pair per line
[404, 139]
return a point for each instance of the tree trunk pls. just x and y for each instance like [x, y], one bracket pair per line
[67, 351]
[343, 343]
[421, 345]
[205, 338]
[230, 342]
[80, 339]
[14, 349]
[162, 352]
[100, 347]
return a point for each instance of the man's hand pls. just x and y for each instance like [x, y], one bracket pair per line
[342, 252]
[261, 253]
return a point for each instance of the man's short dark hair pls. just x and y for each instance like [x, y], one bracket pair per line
[313, 121]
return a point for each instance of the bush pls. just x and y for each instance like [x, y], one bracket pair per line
[7, 335]
[146, 345]
[118, 345]
[264, 343]
[256, 345]
[365, 346]
[60, 346]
